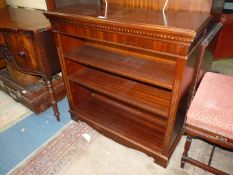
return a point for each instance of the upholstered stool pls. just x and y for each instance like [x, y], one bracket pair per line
[210, 117]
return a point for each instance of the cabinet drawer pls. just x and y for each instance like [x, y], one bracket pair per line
[23, 50]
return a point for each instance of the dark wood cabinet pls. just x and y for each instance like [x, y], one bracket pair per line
[129, 71]
[29, 50]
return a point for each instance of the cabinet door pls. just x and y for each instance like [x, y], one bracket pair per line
[23, 49]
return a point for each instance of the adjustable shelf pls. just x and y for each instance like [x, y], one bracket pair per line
[145, 70]
[140, 95]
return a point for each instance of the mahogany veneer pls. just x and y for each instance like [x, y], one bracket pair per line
[130, 73]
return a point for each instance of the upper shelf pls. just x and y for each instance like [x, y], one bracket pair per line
[146, 70]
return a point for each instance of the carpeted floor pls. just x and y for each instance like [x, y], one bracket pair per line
[104, 156]
[52, 158]
[24, 138]
[70, 148]
[81, 150]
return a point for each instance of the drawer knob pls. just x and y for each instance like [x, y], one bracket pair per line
[22, 53]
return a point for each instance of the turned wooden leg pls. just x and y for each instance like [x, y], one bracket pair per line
[53, 99]
[186, 149]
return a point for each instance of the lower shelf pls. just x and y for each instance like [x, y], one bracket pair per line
[130, 126]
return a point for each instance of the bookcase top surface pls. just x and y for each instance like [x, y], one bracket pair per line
[189, 22]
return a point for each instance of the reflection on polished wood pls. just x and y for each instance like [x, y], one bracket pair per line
[143, 20]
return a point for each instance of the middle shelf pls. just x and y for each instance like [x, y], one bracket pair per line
[140, 95]
[150, 70]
